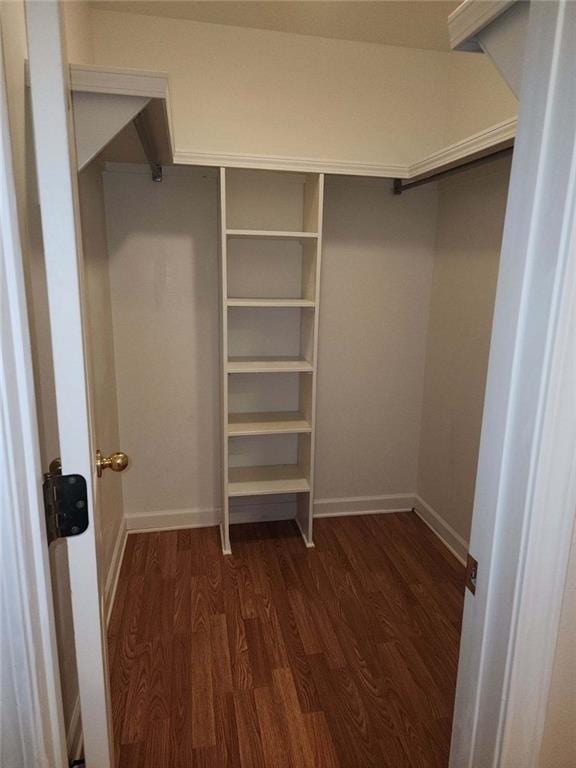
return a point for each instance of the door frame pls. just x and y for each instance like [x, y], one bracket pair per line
[59, 207]
[30, 645]
[525, 498]
[529, 427]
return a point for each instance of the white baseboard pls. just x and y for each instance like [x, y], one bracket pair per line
[364, 505]
[447, 535]
[173, 519]
[114, 571]
[274, 509]
[74, 739]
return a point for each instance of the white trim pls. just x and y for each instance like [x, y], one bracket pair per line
[443, 530]
[90, 78]
[495, 137]
[466, 21]
[173, 519]
[296, 164]
[74, 740]
[114, 571]
[363, 505]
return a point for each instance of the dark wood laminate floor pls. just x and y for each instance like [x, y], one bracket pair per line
[343, 655]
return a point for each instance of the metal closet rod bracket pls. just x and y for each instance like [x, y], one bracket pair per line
[148, 145]
[399, 186]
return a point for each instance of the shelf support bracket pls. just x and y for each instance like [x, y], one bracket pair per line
[148, 145]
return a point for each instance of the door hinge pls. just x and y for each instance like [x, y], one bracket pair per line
[65, 503]
[471, 573]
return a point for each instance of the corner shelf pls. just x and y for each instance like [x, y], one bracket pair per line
[276, 423]
[263, 481]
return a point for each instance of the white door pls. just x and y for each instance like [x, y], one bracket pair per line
[31, 710]
[526, 484]
[58, 195]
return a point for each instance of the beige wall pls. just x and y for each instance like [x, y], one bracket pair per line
[478, 97]
[377, 270]
[559, 742]
[376, 278]
[100, 341]
[255, 92]
[164, 289]
[78, 31]
[470, 220]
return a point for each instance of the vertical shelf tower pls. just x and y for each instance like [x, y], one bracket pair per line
[270, 255]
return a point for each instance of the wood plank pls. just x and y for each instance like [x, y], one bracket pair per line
[345, 655]
[249, 737]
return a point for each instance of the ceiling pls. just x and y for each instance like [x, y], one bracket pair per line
[407, 23]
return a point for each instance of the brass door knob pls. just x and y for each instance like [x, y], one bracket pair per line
[117, 462]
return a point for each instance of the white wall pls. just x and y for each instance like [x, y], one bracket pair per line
[470, 220]
[238, 91]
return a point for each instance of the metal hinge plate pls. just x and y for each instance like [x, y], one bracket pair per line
[65, 504]
[471, 573]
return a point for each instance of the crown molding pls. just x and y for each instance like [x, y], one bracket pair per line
[470, 18]
[495, 137]
[492, 139]
[295, 164]
[89, 78]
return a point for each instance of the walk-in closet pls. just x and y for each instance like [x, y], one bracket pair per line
[292, 353]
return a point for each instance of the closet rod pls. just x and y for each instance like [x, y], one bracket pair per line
[399, 186]
[148, 145]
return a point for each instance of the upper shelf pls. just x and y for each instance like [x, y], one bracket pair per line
[106, 100]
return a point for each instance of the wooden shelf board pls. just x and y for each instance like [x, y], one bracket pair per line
[263, 481]
[271, 234]
[269, 365]
[269, 303]
[278, 423]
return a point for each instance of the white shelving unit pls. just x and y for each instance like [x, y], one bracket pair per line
[270, 247]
